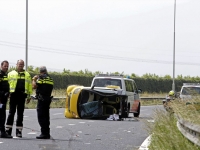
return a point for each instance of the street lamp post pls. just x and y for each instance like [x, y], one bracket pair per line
[173, 84]
[26, 62]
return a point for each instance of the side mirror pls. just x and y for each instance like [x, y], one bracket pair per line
[139, 90]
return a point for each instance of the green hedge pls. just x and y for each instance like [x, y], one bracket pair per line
[61, 81]
[158, 85]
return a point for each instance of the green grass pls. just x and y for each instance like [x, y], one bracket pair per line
[54, 104]
[164, 131]
[188, 110]
[146, 94]
[151, 102]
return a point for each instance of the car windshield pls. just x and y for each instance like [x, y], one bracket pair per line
[106, 82]
[191, 91]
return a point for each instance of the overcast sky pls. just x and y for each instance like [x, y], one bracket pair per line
[130, 36]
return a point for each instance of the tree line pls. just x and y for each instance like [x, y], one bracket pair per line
[147, 82]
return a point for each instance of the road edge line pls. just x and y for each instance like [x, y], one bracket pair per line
[146, 143]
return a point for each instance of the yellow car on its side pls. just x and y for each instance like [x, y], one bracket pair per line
[90, 102]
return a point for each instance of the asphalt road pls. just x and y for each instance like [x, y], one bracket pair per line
[79, 134]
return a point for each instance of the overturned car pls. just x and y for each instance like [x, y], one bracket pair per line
[95, 103]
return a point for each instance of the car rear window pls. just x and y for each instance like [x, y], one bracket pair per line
[190, 91]
[107, 81]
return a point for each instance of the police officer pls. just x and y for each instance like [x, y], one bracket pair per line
[4, 93]
[20, 90]
[172, 94]
[43, 84]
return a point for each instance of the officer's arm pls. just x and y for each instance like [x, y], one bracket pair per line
[34, 85]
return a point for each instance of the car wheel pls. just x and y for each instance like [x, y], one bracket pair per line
[138, 112]
[127, 111]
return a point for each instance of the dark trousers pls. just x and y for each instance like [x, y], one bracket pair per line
[17, 101]
[43, 115]
[3, 113]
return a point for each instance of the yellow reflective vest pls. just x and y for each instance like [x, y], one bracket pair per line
[12, 80]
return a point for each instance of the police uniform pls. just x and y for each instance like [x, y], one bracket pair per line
[20, 89]
[4, 93]
[43, 93]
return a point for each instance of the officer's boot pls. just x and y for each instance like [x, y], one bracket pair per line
[19, 133]
[44, 135]
[4, 134]
[9, 131]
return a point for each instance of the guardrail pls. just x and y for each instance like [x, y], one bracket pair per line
[152, 98]
[142, 98]
[189, 130]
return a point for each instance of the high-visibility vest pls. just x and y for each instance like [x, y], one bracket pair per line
[45, 85]
[12, 80]
[4, 86]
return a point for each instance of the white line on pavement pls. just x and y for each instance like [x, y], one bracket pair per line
[145, 144]
[32, 133]
[57, 114]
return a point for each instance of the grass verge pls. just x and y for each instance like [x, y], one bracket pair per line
[54, 104]
[151, 102]
[164, 131]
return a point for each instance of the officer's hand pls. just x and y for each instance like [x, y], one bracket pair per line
[35, 77]
[28, 100]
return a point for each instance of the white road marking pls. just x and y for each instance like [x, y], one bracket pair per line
[80, 132]
[59, 127]
[57, 114]
[1, 142]
[26, 116]
[87, 143]
[32, 133]
[145, 144]
[81, 122]
[128, 131]
[71, 124]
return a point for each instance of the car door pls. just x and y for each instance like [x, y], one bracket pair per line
[130, 92]
[136, 98]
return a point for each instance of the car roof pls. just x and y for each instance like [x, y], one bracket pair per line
[191, 86]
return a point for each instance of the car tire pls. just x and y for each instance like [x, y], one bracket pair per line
[138, 112]
[128, 110]
[125, 110]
